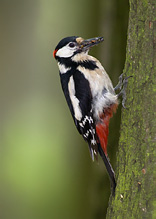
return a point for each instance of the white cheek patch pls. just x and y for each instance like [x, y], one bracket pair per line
[65, 52]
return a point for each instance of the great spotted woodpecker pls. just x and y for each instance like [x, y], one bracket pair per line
[89, 93]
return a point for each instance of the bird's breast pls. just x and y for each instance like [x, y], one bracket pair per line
[98, 79]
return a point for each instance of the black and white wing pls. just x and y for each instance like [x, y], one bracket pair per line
[79, 98]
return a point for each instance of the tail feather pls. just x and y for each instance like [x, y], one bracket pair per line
[102, 129]
[93, 148]
[109, 168]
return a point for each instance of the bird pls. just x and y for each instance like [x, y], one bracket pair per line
[89, 93]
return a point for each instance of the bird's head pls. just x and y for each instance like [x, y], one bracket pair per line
[70, 46]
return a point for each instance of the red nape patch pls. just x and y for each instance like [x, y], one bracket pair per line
[54, 53]
[102, 128]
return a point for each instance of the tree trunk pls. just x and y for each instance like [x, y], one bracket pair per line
[136, 160]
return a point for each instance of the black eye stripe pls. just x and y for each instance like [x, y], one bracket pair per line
[71, 45]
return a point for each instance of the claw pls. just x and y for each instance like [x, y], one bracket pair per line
[123, 84]
[123, 94]
[119, 85]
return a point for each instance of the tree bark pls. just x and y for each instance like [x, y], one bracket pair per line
[136, 159]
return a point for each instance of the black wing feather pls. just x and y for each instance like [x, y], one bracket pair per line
[87, 125]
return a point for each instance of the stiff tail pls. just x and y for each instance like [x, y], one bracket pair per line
[109, 168]
[102, 129]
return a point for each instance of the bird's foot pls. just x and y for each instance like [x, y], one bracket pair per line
[119, 85]
[122, 85]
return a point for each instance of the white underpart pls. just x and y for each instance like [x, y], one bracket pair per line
[66, 51]
[74, 100]
[80, 57]
[63, 69]
[102, 102]
[98, 80]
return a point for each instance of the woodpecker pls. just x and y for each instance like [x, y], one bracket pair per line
[89, 93]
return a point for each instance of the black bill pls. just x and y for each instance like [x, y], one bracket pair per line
[86, 44]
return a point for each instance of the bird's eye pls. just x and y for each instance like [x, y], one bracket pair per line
[72, 45]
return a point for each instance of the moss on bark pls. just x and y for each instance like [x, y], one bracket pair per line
[136, 158]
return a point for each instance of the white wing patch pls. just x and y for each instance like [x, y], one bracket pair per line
[91, 130]
[74, 100]
[86, 118]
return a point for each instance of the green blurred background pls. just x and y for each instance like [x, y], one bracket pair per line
[45, 167]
